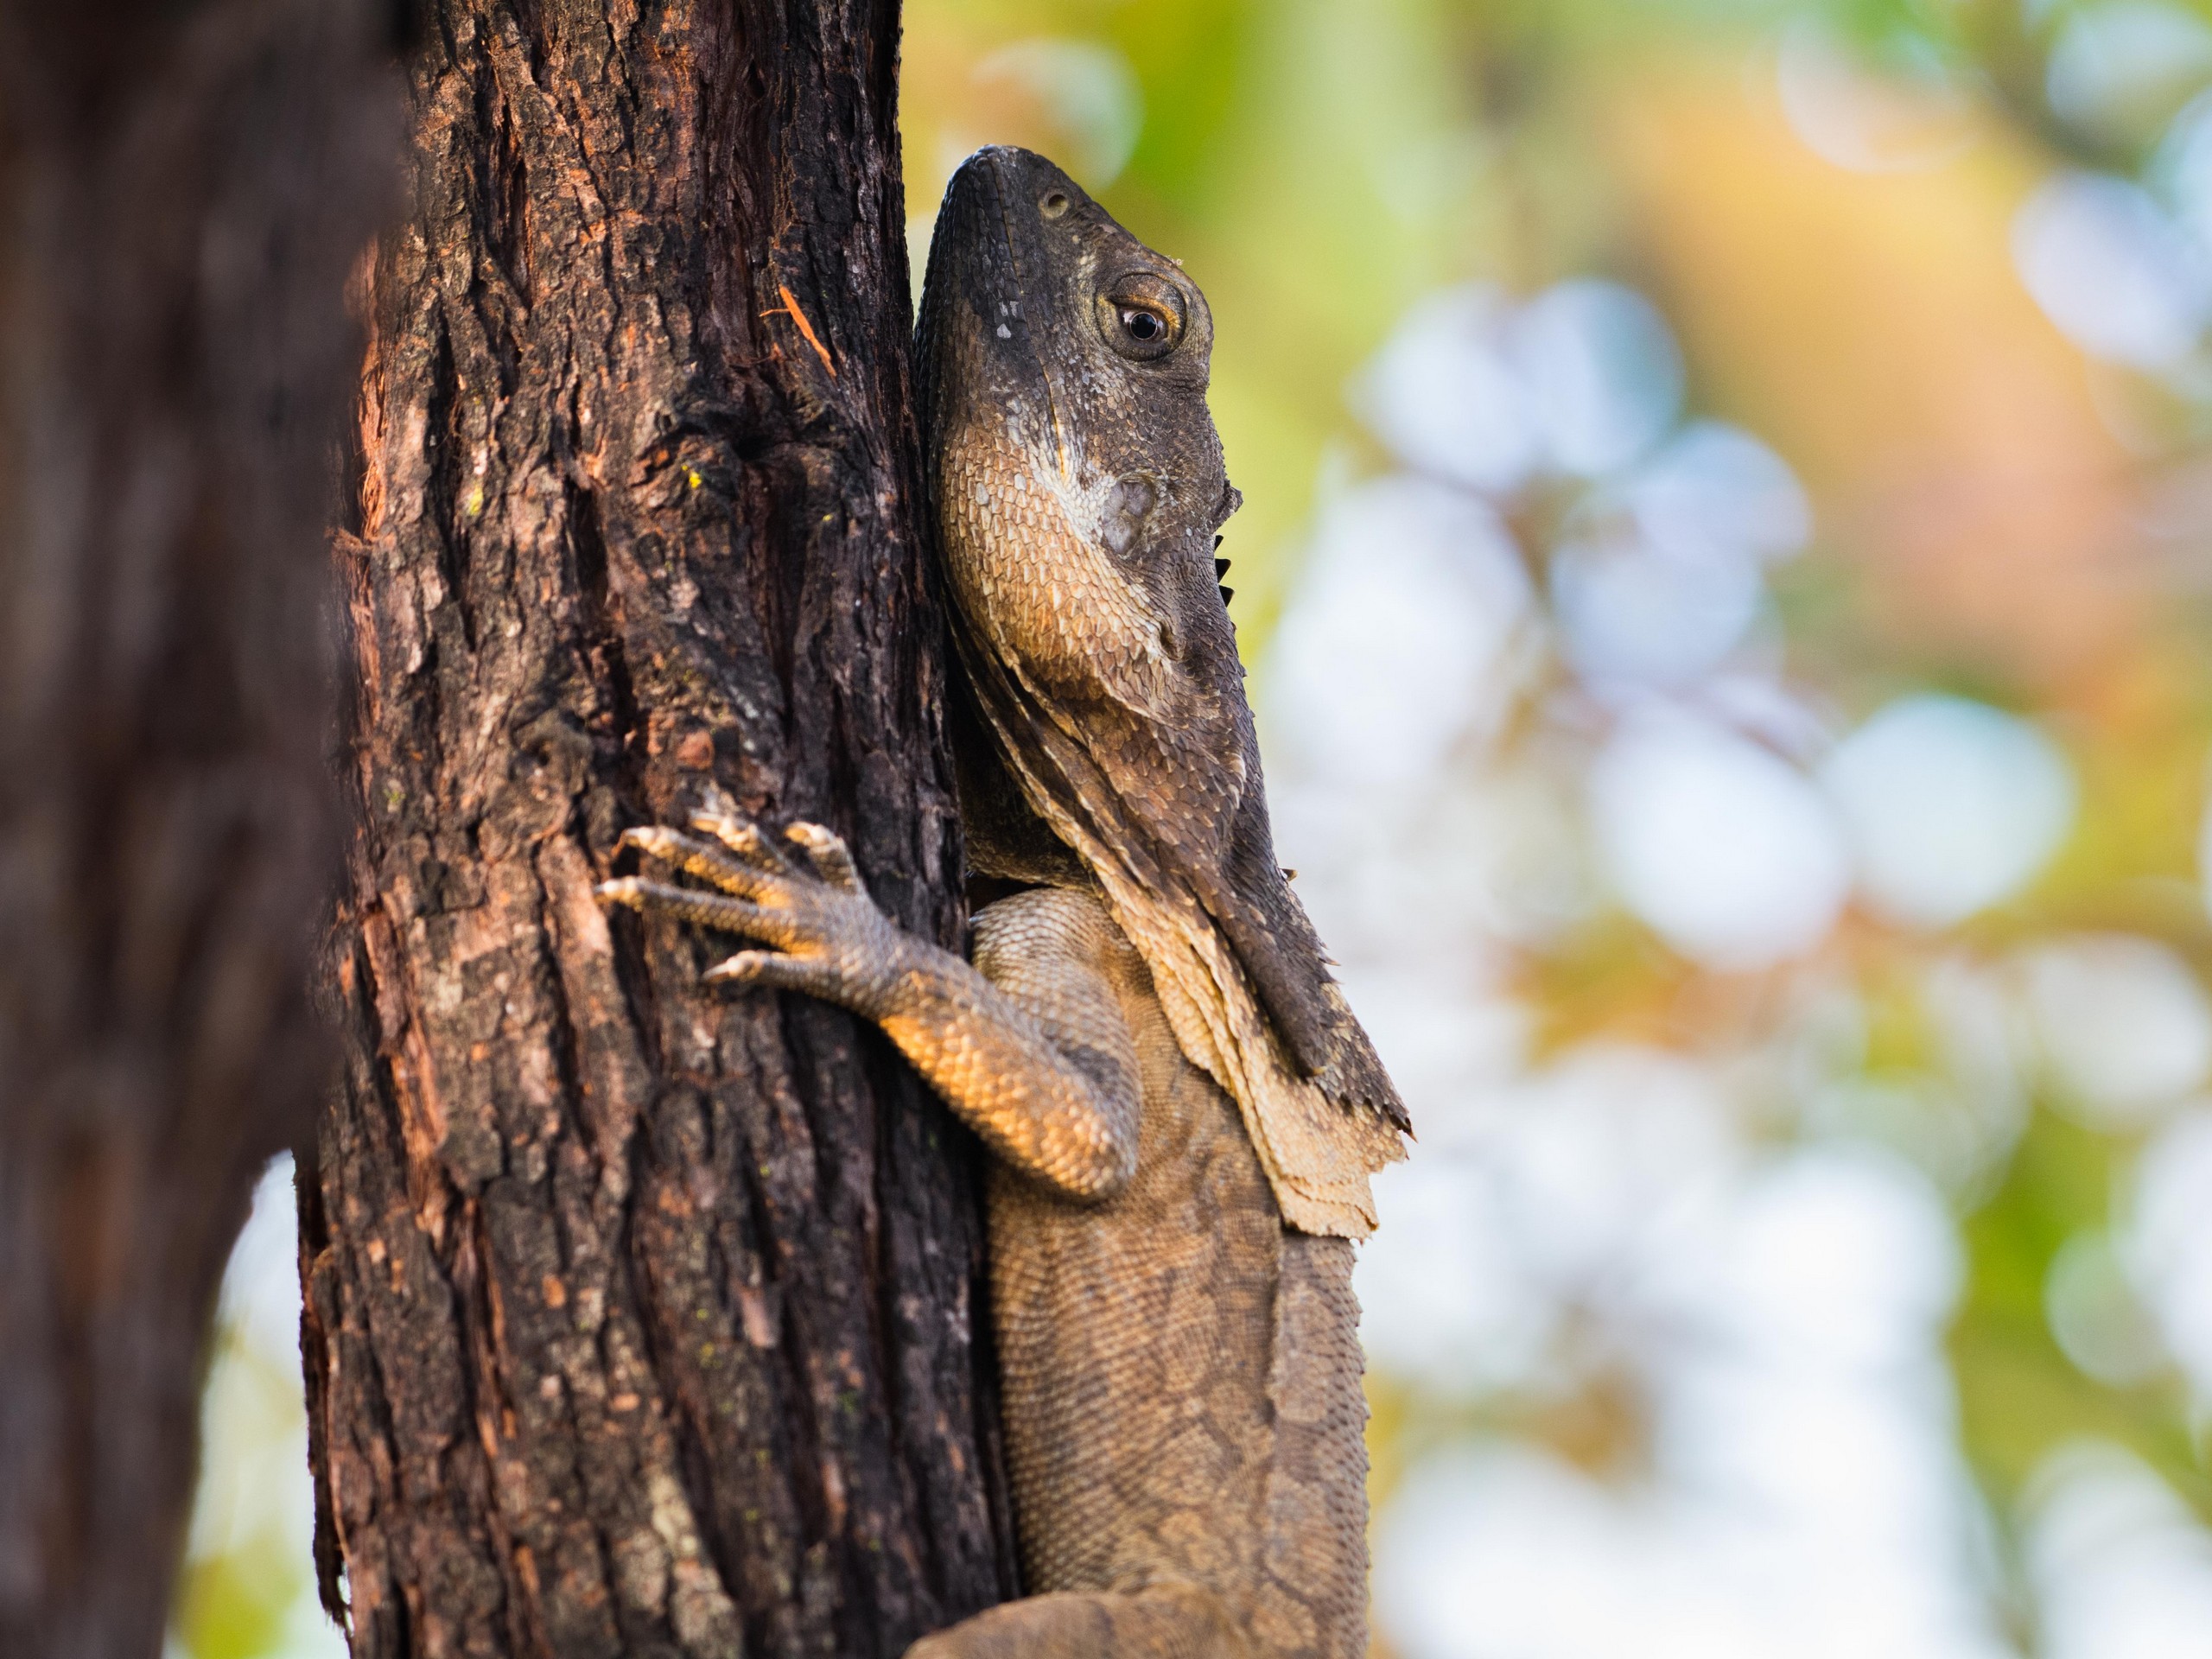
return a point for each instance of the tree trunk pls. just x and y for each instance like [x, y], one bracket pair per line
[181, 187]
[642, 1319]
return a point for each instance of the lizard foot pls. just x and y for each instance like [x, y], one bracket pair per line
[828, 939]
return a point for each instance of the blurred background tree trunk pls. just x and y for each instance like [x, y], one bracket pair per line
[181, 187]
[641, 1320]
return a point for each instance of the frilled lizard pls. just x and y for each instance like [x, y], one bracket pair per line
[1182, 1112]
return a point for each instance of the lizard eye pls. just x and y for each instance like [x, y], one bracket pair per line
[1142, 315]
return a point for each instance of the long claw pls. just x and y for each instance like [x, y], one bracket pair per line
[743, 837]
[702, 909]
[826, 851]
[743, 969]
[707, 861]
[768, 970]
[649, 838]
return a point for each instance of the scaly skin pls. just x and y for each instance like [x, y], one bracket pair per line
[1181, 1110]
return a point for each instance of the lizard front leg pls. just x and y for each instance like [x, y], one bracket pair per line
[1043, 1080]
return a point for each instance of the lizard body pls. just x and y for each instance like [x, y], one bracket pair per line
[1181, 1111]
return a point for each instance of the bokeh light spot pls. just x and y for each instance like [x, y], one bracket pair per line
[1412, 599]
[1087, 90]
[2124, 1024]
[1603, 379]
[1727, 850]
[1951, 805]
[2111, 269]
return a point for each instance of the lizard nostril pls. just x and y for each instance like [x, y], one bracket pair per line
[1054, 204]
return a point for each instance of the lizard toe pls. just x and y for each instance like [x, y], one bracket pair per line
[826, 851]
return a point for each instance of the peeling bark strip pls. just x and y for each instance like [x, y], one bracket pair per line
[182, 185]
[641, 1320]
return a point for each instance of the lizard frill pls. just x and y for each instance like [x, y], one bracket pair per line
[1321, 1137]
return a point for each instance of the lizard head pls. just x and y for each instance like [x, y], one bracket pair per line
[1080, 479]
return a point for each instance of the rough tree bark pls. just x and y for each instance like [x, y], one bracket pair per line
[182, 188]
[640, 1318]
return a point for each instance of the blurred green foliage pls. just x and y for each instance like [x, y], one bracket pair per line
[248, 1590]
